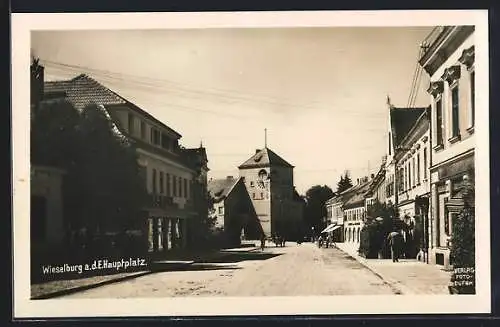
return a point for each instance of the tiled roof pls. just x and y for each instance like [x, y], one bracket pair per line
[265, 158]
[357, 195]
[220, 188]
[83, 90]
[402, 120]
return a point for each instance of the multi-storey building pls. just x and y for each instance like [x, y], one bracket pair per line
[413, 187]
[401, 120]
[269, 181]
[355, 201]
[449, 61]
[174, 176]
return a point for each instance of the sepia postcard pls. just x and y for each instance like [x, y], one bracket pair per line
[250, 163]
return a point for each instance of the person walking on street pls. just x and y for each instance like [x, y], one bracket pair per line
[262, 242]
[395, 242]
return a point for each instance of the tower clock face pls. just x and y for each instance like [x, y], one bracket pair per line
[262, 177]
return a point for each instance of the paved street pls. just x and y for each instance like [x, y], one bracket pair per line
[294, 270]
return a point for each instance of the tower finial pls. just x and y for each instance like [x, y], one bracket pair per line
[265, 137]
[388, 100]
[201, 143]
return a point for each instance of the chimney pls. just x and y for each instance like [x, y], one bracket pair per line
[358, 181]
[229, 177]
[37, 80]
[257, 151]
[372, 176]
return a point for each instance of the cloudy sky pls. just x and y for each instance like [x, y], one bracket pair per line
[320, 92]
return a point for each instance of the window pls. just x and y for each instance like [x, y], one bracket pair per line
[143, 130]
[180, 186]
[155, 136]
[131, 122]
[185, 188]
[425, 163]
[154, 181]
[409, 175]
[168, 184]
[472, 97]
[174, 186]
[455, 112]
[161, 183]
[261, 196]
[414, 175]
[253, 196]
[418, 168]
[251, 184]
[165, 141]
[221, 210]
[406, 179]
[439, 122]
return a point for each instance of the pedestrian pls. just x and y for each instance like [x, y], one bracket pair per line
[395, 242]
[263, 242]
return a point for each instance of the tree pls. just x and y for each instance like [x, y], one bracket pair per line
[102, 188]
[315, 209]
[344, 183]
[381, 219]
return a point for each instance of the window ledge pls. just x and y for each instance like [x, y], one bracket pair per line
[470, 130]
[454, 139]
[438, 147]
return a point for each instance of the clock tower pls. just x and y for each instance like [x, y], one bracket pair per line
[268, 179]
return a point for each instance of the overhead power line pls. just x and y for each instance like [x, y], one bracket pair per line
[147, 83]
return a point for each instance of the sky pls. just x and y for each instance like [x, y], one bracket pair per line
[321, 93]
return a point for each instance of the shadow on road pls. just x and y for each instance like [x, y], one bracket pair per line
[197, 267]
[233, 257]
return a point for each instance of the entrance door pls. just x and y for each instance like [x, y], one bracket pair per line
[38, 218]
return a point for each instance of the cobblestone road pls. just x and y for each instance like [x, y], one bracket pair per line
[290, 271]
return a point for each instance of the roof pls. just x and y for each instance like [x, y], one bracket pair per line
[358, 195]
[402, 120]
[219, 189]
[265, 158]
[84, 90]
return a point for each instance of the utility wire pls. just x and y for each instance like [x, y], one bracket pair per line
[166, 86]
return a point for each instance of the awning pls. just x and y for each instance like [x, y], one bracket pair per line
[329, 228]
[336, 227]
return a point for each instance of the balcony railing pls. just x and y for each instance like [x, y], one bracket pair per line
[161, 201]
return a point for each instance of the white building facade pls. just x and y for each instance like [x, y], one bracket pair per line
[449, 60]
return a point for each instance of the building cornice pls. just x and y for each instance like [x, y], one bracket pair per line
[449, 40]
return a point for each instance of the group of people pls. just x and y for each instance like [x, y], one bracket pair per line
[325, 240]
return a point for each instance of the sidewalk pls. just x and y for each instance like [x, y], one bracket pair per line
[408, 276]
[58, 288]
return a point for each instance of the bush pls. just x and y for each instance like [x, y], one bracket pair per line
[462, 252]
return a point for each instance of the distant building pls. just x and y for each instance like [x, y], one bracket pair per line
[355, 202]
[449, 60]
[233, 210]
[269, 182]
[175, 177]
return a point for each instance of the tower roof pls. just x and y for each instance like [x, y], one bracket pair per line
[265, 158]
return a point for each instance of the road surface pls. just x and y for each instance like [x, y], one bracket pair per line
[294, 270]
